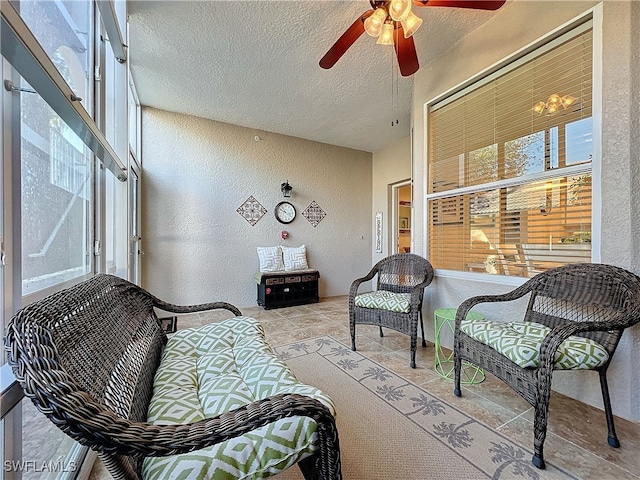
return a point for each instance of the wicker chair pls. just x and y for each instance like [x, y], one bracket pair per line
[397, 301]
[86, 357]
[594, 302]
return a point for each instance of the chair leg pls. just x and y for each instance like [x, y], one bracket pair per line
[413, 335]
[381, 334]
[541, 417]
[424, 342]
[457, 368]
[539, 435]
[309, 469]
[352, 328]
[612, 438]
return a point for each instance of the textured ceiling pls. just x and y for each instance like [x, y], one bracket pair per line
[255, 64]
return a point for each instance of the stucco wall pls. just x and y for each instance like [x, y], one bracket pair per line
[198, 172]
[512, 29]
[391, 164]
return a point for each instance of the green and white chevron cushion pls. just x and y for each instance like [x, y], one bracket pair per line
[520, 342]
[220, 367]
[383, 300]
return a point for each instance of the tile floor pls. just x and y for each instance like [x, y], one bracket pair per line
[577, 433]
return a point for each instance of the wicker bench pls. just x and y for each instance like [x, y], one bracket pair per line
[94, 359]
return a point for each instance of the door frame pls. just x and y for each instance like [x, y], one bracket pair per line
[394, 224]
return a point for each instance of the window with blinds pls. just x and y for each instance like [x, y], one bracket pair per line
[509, 165]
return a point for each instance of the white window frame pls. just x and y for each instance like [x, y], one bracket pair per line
[592, 17]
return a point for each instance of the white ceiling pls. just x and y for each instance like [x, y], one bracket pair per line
[255, 64]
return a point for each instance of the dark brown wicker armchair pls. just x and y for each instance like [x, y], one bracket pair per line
[397, 301]
[87, 356]
[591, 301]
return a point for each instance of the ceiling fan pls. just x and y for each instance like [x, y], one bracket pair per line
[393, 22]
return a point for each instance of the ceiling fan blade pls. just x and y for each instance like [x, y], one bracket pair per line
[477, 4]
[406, 52]
[345, 41]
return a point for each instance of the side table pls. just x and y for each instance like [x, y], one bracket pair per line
[470, 374]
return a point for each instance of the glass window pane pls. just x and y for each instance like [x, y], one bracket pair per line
[524, 155]
[483, 165]
[515, 126]
[56, 194]
[580, 141]
[547, 222]
[47, 453]
[64, 30]
[116, 225]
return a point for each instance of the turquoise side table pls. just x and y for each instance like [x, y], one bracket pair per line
[470, 374]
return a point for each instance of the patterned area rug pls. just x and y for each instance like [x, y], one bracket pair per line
[391, 429]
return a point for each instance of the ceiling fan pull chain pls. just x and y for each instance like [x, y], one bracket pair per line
[394, 80]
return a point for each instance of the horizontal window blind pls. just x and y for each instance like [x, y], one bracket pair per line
[509, 166]
[493, 132]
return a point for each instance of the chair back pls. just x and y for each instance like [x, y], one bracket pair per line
[401, 272]
[586, 292]
[91, 348]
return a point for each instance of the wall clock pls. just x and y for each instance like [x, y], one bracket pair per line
[285, 212]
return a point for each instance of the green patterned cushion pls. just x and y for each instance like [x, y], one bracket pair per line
[520, 342]
[220, 367]
[383, 300]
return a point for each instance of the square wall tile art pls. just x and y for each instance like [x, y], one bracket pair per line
[314, 214]
[251, 210]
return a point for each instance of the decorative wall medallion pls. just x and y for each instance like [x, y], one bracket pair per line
[314, 214]
[251, 210]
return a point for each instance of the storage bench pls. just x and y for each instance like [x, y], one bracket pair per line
[211, 404]
[287, 288]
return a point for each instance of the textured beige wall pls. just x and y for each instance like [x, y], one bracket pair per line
[517, 25]
[391, 164]
[198, 172]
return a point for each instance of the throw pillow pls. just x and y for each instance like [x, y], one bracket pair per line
[295, 258]
[270, 259]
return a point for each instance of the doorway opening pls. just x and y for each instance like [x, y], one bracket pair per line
[402, 208]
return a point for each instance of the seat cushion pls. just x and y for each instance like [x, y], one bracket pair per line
[520, 342]
[383, 300]
[217, 368]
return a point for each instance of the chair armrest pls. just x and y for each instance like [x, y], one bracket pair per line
[353, 290]
[102, 430]
[168, 307]
[559, 334]
[469, 303]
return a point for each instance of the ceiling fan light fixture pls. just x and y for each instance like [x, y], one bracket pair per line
[399, 9]
[554, 99]
[567, 101]
[386, 37]
[374, 23]
[539, 107]
[411, 24]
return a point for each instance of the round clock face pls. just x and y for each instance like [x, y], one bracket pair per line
[285, 212]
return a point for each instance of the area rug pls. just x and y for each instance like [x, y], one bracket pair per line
[389, 428]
